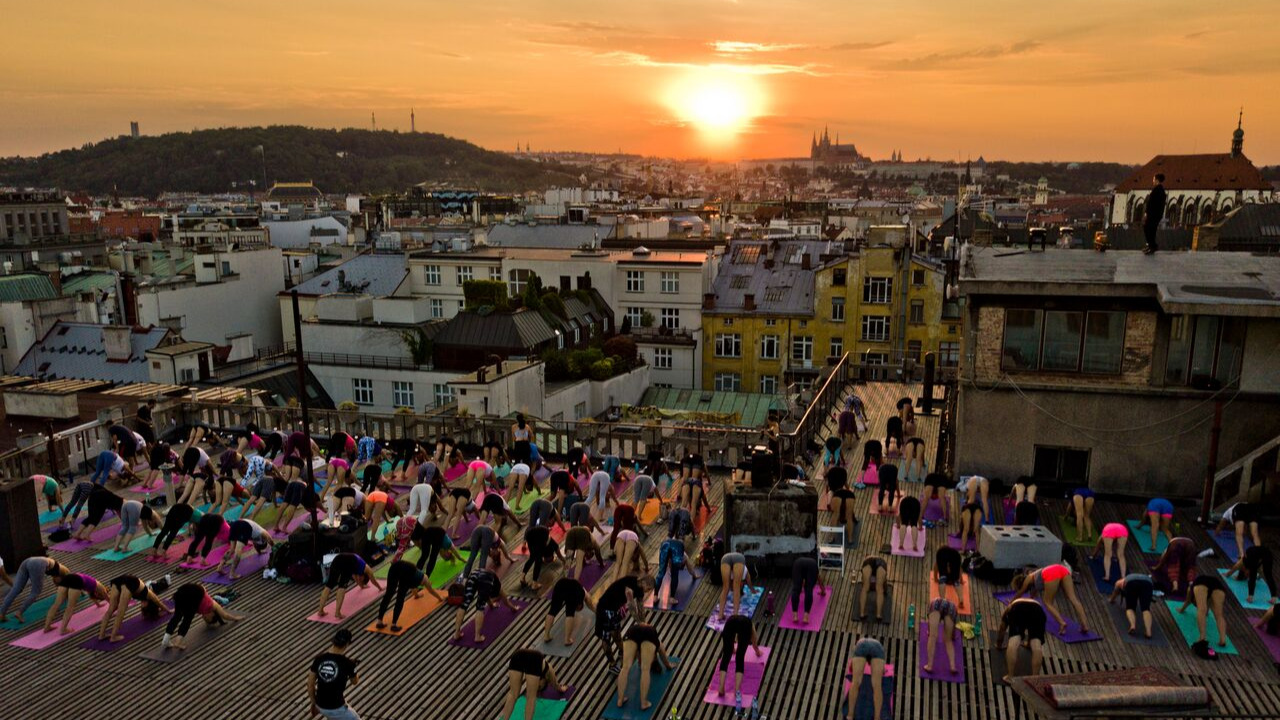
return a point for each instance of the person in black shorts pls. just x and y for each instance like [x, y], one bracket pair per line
[946, 567]
[296, 495]
[482, 591]
[972, 516]
[737, 634]
[1209, 593]
[641, 644]
[100, 501]
[345, 568]
[629, 591]
[887, 490]
[1022, 622]
[1137, 589]
[875, 573]
[528, 671]
[120, 592]
[570, 596]
[841, 502]
[908, 522]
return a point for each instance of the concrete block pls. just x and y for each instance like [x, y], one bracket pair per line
[1013, 546]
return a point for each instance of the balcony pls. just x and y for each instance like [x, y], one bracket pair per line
[658, 335]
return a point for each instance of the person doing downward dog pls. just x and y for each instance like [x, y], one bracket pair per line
[1046, 582]
[1243, 516]
[737, 635]
[32, 572]
[1112, 541]
[402, 579]
[804, 577]
[1256, 562]
[641, 644]
[736, 579]
[1159, 515]
[69, 589]
[1209, 593]
[188, 601]
[875, 574]
[120, 592]
[1137, 590]
[941, 619]
[531, 672]
[867, 652]
[627, 592]
[570, 596]
[1023, 622]
[345, 568]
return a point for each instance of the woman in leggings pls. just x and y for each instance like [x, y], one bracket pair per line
[875, 575]
[403, 579]
[868, 652]
[134, 516]
[542, 549]
[543, 514]
[940, 622]
[641, 644]
[1137, 590]
[529, 672]
[736, 579]
[1269, 623]
[1022, 623]
[207, 530]
[100, 501]
[241, 534]
[1046, 582]
[1256, 562]
[31, 572]
[887, 493]
[120, 592]
[692, 491]
[297, 496]
[345, 568]
[1209, 593]
[484, 540]
[600, 494]
[804, 578]
[947, 570]
[1112, 542]
[872, 459]
[908, 527]
[174, 522]
[273, 444]
[70, 586]
[457, 506]
[189, 601]
[567, 595]
[433, 543]
[1181, 553]
[737, 635]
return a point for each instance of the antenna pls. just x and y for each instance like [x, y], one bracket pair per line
[413, 123]
[373, 118]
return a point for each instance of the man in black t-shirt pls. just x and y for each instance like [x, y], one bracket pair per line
[330, 673]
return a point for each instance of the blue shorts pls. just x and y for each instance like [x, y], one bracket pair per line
[869, 649]
[1082, 492]
[1161, 506]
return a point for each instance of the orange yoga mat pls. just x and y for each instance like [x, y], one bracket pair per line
[649, 514]
[414, 611]
[963, 600]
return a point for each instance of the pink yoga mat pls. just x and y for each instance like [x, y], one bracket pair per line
[496, 621]
[1271, 641]
[897, 546]
[455, 472]
[357, 599]
[300, 517]
[819, 611]
[175, 551]
[752, 676]
[874, 508]
[199, 563]
[81, 620]
[98, 535]
[940, 657]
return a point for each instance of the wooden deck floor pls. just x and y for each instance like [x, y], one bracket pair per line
[258, 669]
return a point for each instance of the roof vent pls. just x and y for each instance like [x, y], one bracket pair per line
[640, 250]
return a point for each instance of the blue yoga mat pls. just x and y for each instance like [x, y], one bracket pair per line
[750, 600]
[138, 544]
[1240, 588]
[1143, 536]
[1186, 622]
[1226, 541]
[657, 688]
[1104, 587]
[49, 516]
[864, 704]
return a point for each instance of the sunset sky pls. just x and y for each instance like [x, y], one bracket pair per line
[1074, 80]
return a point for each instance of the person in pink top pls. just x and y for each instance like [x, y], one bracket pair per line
[1046, 582]
[1112, 543]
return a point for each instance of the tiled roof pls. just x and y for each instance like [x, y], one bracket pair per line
[784, 289]
[1216, 171]
[1252, 223]
[22, 287]
[88, 280]
[77, 350]
[384, 273]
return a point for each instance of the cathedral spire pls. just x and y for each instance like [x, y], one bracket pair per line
[1237, 137]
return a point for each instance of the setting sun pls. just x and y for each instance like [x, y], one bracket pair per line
[718, 102]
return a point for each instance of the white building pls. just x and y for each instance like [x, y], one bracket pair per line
[30, 304]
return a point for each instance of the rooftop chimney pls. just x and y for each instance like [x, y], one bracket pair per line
[749, 302]
[805, 262]
[117, 341]
[709, 301]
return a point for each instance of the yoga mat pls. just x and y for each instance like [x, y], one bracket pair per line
[138, 544]
[1116, 612]
[557, 535]
[1271, 641]
[940, 672]
[1143, 537]
[650, 512]
[201, 634]
[204, 563]
[497, 619]
[934, 511]
[1069, 533]
[49, 516]
[1226, 540]
[1186, 622]
[1240, 588]
[177, 550]
[357, 599]
[249, 565]
[85, 617]
[658, 684]
[752, 676]
[1163, 579]
[1000, 666]
[897, 545]
[874, 507]
[961, 595]
[1095, 566]
[455, 472]
[466, 526]
[415, 610]
[662, 595]
[302, 516]
[621, 487]
[132, 628]
[887, 611]
[750, 600]
[863, 703]
[591, 574]
[816, 613]
[702, 517]
[953, 541]
[34, 614]
[543, 709]
[556, 648]
[98, 535]
[1073, 634]
[521, 504]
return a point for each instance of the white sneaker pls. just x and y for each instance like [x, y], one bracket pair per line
[1206, 553]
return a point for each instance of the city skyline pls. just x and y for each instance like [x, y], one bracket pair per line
[723, 80]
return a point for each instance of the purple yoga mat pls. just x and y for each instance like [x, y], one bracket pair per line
[550, 693]
[940, 657]
[934, 510]
[496, 621]
[248, 566]
[953, 541]
[591, 574]
[132, 629]
[98, 535]
[752, 676]
[1073, 634]
[816, 614]
[662, 595]
[1271, 641]
[465, 528]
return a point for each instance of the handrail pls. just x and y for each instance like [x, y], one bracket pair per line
[1244, 466]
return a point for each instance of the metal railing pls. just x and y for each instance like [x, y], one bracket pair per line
[1237, 481]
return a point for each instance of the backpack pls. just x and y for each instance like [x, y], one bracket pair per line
[709, 558]
[300, 571]
[60, 535]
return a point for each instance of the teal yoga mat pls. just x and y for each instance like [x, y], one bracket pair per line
[1143, 536]
[1240, 588]
[137, 545]
[544, 709]
[35, 614]
[1186, 623]
[657, 688]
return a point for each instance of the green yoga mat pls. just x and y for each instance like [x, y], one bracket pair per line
[544, 709]
[1186, 623]
[137, 545]
[1143, 536]
[522, 503]
[1069, 533]
[443, 573]
[1240, 588]
[35, 614]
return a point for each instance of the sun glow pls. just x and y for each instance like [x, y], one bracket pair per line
[719, 102]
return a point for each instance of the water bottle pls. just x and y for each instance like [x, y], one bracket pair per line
[737, 704]
[768, 604]
[911, 617]
[755, 709]
[675, 714]
[977, 627]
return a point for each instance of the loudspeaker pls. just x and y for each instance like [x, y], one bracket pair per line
[20, 531]
[764, 469]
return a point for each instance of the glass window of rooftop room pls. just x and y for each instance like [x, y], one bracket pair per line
[442, 393]
[877, 358]
[838, 277]
[768, 347]
[495, 273]
[1062, 340]
[875, 328]
[402, 393]
[1061, 464]
[1021, 339]
[670, 282]
[837, 309]
[362, 391]
[579, 411]
[1103, 342]
[1204, 347]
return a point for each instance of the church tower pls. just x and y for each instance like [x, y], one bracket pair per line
[1237, 137]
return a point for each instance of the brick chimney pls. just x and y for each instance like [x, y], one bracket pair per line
[709, 301]
[118, 342]
[749, 302]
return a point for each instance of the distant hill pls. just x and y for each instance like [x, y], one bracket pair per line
[335, 160]
[1077, 178]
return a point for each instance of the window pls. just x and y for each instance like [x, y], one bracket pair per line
[802, 349]
[1021, 339]
[1204, 351]
[188, 375]
[437, 308]
[839, 277]
[401, 393]
[662, 359]
[579, 411]
[635, 315]
[837, 309]
[1061, 464]
[877, 290]
[877, 358]
[431, 274]
[914, 348]
[441, 393]
[1064, 340]
[728, 382]
[671, 318]
[670, 282]
[518, 279]
[635, 281]
[1061, 348]
[875, 328]
[837, 347]
[465, 273]
[155, 364]
[771, 322]
[917, 277]
[728, 345]
[362, 391]
[950, 310]
[953, 329]
[769, 384]
[917, 312]
[768, 347]
[495, 273]
[728, 322]
[949, 354]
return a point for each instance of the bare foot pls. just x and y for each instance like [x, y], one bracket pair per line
[928, 668]
[116, 638]
[339, 615]
[547, 639]
[479, 639]
[1006, 680]
[568, 641]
